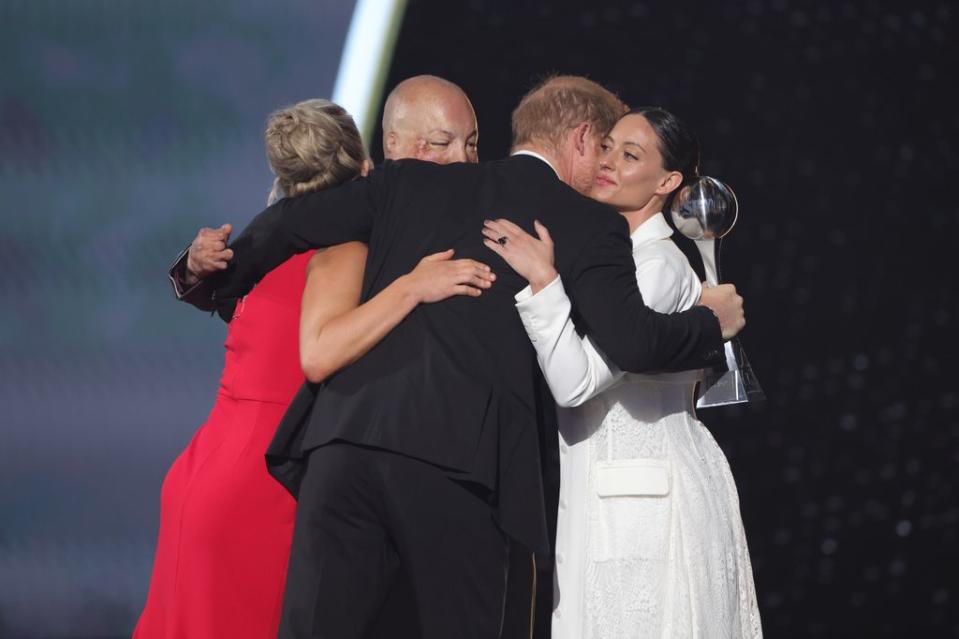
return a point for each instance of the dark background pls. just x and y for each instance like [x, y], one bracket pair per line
[836, 123]
[125, 126]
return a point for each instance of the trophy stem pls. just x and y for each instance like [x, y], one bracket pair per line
[709, 250]
[717, 251]
[737, 383]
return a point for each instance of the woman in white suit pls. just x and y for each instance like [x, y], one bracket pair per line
[650, 540]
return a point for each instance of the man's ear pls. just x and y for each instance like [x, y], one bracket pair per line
[389, 144]
[365, 169]
[582, 137]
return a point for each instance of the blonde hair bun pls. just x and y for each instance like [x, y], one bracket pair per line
[312, 145]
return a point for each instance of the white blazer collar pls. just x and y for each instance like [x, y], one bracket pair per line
[655, 228]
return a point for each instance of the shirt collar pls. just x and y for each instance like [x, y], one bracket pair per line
[655, 228]
[537, 156]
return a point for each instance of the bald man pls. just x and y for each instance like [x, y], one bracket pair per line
[425, 117]
[431, 119]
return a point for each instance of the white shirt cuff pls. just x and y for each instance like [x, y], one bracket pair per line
[543, 314]
[527, 293]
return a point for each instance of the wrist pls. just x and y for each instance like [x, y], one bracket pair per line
[542, 279]
[408, 292]
[187, 275]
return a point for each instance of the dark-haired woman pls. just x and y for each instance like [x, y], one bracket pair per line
[650, 541]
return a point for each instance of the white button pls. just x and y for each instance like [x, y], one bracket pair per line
[563, 448]
[559, 558]
[558, 613]
[562, 503]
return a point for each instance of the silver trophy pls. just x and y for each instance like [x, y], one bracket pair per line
[705, 211]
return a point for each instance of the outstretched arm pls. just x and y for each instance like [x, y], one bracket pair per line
[574, 368]
[336, 330]
[603, 288]
[332, 216]
[293, 225]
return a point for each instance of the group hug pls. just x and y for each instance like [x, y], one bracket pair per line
[458, 396]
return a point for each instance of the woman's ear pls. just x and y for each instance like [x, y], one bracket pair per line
[669, 183]
[365, 169]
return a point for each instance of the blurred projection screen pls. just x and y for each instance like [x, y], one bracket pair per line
[124, 127]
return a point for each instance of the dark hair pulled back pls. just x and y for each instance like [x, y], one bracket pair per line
[678, 145]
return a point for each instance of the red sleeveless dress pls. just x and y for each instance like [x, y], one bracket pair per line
[225, 523]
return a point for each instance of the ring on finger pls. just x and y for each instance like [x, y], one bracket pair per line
[502, 240]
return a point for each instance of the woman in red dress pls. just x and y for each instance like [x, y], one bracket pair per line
[225, 523]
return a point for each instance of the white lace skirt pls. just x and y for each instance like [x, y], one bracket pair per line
[665, 552]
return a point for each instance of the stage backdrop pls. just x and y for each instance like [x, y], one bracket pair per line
[837, 125]
[124, 127]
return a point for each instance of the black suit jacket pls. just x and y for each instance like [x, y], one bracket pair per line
[456, 383]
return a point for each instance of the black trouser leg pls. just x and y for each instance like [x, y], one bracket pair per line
[342, 561]
[453, 551]
[359, 510]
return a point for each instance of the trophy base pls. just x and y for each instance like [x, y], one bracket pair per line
[736, 386]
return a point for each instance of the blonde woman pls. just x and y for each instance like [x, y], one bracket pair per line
[225, 523]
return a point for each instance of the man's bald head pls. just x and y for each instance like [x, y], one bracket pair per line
[429, 118]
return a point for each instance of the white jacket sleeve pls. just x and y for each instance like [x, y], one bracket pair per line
[666, 281]
[574, 368]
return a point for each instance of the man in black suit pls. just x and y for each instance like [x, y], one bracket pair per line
[425, 452]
